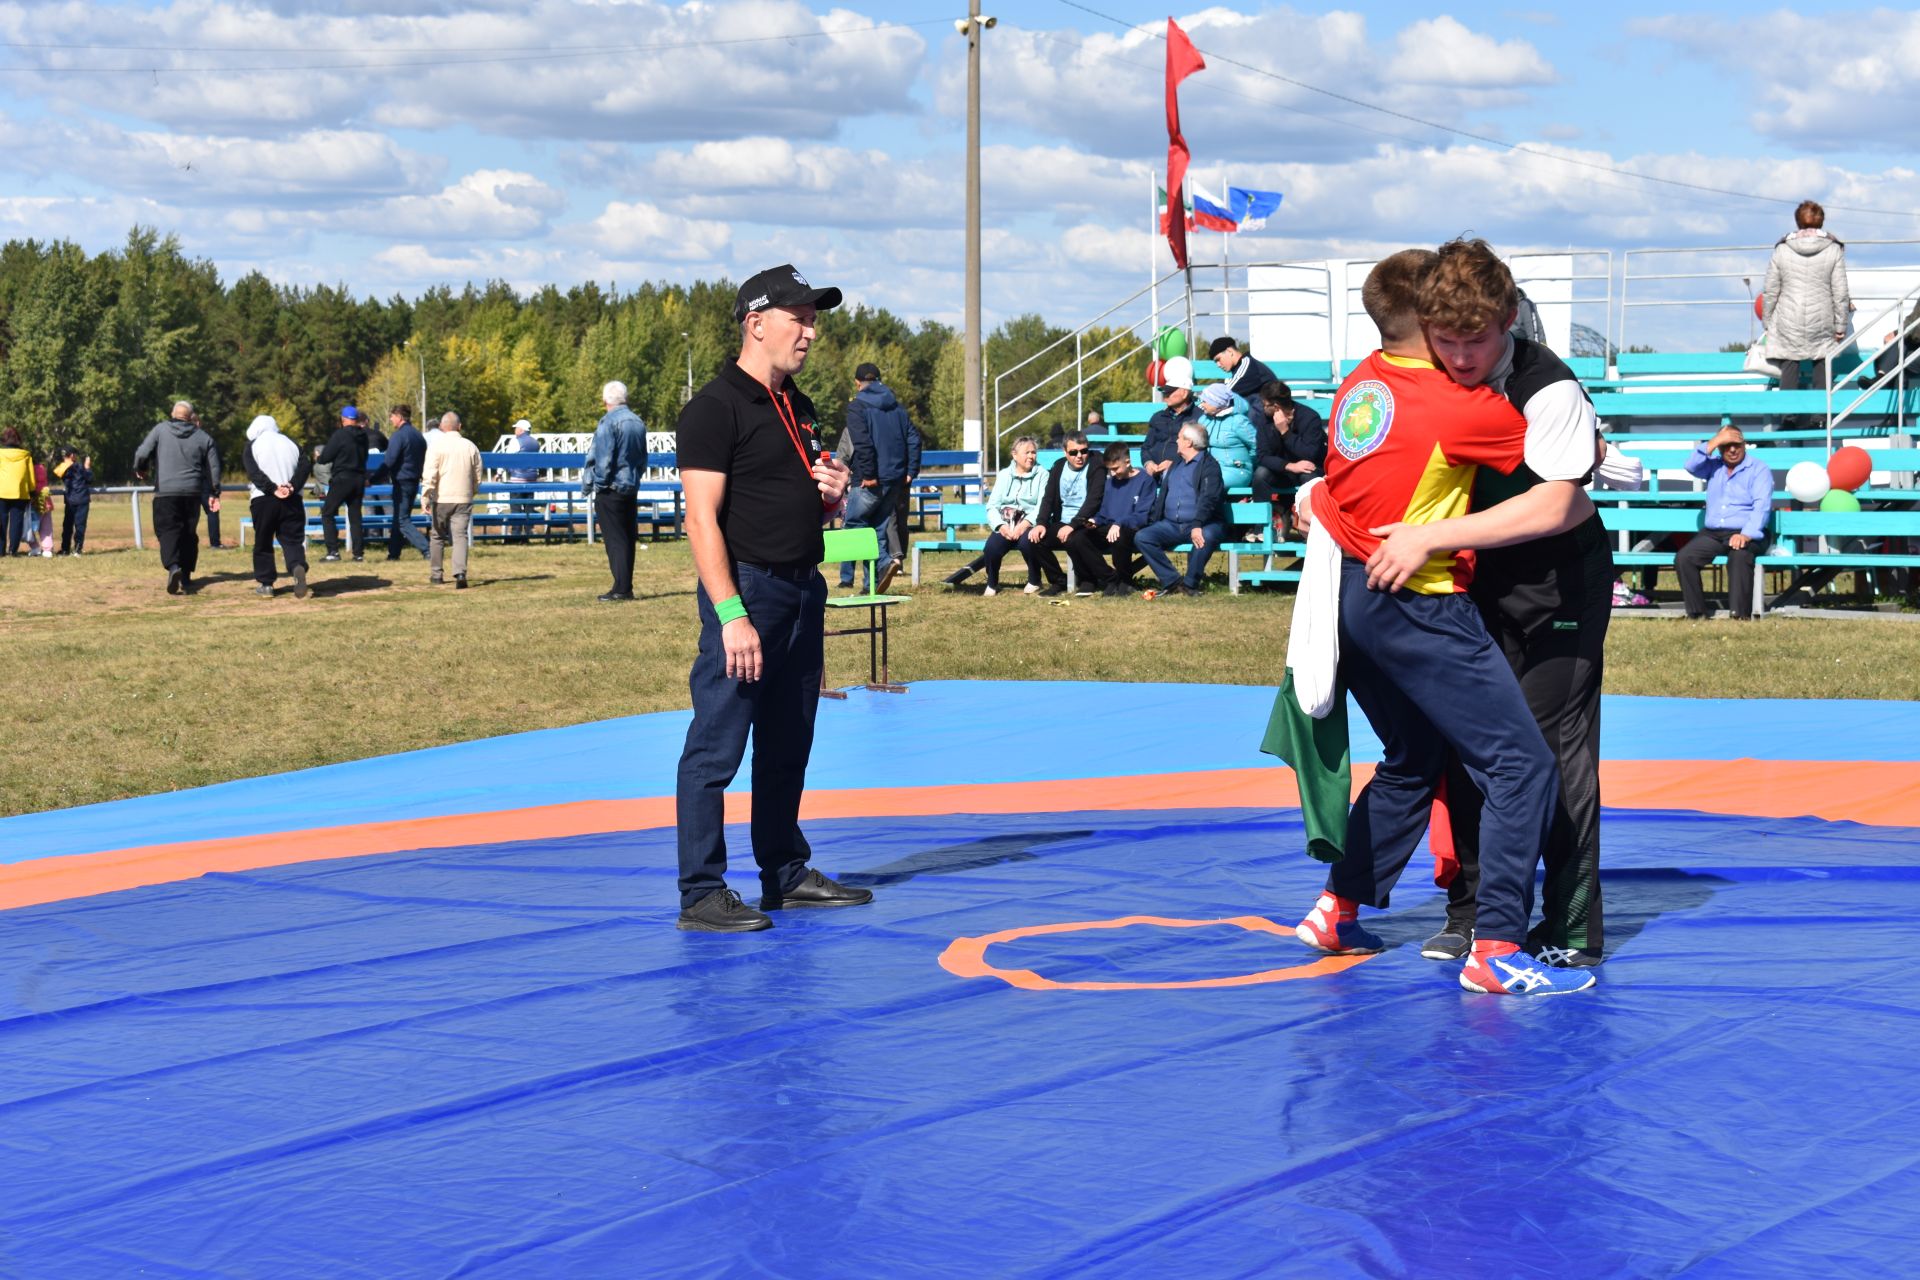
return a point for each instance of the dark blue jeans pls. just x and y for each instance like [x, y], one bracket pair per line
[73, 527]
[403, 532]
[1154, 541]
[871, 509]
[788, 610]
[1429, 677]
[13, 524]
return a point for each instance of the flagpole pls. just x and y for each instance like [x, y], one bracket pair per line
[1186, 202]
[1226, 280]
[1153, 255]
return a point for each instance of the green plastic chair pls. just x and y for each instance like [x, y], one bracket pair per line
[863, 547]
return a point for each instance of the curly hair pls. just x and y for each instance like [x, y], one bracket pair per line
[1468, 289]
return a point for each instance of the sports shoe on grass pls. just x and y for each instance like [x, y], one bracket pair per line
[1448, 944]
[1330, 928]
[1512, 972]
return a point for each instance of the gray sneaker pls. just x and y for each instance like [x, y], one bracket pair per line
[1449, 944]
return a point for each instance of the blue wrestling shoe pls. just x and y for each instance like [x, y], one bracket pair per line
[1323, 930]
[1515, 973]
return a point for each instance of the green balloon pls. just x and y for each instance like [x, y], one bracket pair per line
[1839, 500]
[1170, 342]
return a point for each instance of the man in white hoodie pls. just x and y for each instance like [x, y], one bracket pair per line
[277, 470]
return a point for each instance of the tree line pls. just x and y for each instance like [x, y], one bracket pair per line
[94, 349]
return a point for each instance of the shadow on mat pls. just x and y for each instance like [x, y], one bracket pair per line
[968, 856]
[1633, 899]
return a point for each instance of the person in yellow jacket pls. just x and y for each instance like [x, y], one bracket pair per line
[16, 491]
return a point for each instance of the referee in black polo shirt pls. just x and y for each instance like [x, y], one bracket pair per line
[758, 488]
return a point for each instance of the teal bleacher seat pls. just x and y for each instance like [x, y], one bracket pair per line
[954, 516]
[1265, 544]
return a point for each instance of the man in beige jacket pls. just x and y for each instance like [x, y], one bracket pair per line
[449, 478]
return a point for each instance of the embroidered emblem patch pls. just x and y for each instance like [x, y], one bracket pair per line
[1362, 420]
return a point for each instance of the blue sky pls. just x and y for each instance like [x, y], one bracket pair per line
[395, 144]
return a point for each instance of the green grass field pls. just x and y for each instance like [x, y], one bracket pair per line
[116, 689]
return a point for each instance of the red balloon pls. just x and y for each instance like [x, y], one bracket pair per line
[1153, 373]
[1849, 467]
[1760, 306]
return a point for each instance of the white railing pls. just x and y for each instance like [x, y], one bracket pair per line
[1904, 343]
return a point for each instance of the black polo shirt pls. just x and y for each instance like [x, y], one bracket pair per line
[771, 511]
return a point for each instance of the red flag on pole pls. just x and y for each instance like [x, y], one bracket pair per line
[1182, 61]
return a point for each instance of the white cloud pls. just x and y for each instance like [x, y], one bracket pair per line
[1103, 93]
[1823, 82]
[641, 230]
[488, 204]
[631, 70]
[1441, 51]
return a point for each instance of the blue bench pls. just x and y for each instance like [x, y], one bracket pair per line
[1268, 547]
[954, 516]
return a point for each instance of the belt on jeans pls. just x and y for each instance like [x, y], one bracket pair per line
[792, 571]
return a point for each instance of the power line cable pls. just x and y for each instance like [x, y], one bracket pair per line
[1499, 143]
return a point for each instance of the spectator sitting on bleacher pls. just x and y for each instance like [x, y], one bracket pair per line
[1192, 507]
[1292, 450]
[1246, 377]
[1017, 493]
[1074, 491]
[1739, 503]
[1096, 423]
[1125, 508]
[1230, 433]
[1160, 450]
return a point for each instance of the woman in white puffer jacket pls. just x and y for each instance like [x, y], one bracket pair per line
[1806, 300]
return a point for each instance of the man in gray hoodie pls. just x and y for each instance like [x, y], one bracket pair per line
[277, 470]
[186, 474]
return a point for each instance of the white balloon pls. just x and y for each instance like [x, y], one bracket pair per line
[1807, 481]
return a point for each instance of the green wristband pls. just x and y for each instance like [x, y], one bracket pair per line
[730, 609]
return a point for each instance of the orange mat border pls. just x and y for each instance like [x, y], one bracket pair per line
[1874, 792]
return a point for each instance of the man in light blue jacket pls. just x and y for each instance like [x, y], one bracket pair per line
[615, 464]
[1739, 504]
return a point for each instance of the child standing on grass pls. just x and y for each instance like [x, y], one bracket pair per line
[76, 475]
[42, 535]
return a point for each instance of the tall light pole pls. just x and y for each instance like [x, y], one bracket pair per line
[973, 418]
[687, 395]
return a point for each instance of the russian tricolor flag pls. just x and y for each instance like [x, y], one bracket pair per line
[1210, 214]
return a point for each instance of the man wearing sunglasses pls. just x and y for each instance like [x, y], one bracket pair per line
[1739, 501]
[1065, 522]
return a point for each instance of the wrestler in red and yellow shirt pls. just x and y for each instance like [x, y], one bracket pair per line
[1405, 442]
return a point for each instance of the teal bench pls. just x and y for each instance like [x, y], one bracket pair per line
[954, 516]
[1267, 547]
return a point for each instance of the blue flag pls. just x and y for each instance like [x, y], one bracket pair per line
[1251, 209]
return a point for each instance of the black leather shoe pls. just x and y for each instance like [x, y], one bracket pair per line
[614, 597]
[817, 891]
[176, 582]
[1054, 589]
[721, 912]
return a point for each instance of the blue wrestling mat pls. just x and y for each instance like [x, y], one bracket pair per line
[501, 1060]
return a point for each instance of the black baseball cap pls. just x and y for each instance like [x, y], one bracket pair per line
[781, 286]
[868, 372]
[1218, 345]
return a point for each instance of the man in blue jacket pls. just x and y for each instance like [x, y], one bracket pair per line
[1126, 507]
[1739, 504]
[885, 462]
[615, 464]
[1191, 508]
[406, 453]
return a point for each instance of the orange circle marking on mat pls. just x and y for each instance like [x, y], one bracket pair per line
[967, 957]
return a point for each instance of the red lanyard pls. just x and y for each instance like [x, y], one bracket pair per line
[791, 421]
